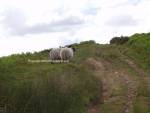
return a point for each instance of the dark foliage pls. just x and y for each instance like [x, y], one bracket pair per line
[88, 42]
[119, 40]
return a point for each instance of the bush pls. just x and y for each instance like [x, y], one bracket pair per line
[119, 40]
[88, 42]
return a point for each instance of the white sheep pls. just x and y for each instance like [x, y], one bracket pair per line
[55, 54]
[61, 53]
[66, 53]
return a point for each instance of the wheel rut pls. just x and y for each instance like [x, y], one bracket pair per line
[130, 95]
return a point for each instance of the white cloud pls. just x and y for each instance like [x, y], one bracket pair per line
[42, 24]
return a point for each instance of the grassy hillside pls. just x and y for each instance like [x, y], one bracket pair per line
[44, 87]
[140, 49]
[99, 79]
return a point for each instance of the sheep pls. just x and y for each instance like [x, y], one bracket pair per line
[61, 53]
[66, 53]
[55, 54]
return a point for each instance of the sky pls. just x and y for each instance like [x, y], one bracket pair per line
[34, 25]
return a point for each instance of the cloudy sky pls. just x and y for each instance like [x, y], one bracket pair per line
[34, 25]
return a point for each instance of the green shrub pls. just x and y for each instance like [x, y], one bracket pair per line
[88, 42]
[119, 40]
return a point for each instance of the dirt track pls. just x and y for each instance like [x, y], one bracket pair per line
[107, 75]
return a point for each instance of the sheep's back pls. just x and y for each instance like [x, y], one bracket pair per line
[55, 54]
[66, 53]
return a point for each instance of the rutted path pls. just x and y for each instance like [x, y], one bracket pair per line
[138, 70]
[131, 90]
[99, 68]
[96, 66]
[131, 94]
[102, 68]
[142, 75]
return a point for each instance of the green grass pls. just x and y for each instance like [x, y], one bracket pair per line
[70, 87]
[44, 87]
[63, 88]
[142, 105]
[139, 49]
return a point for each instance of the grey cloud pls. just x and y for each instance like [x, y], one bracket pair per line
[13, 18]
[15, 21]
[122, 20]
[65, 24]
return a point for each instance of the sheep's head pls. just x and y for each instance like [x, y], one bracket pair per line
[74, 49]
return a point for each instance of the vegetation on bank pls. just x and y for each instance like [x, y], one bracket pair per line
[70, 87]
[44, 87]
[137, 47]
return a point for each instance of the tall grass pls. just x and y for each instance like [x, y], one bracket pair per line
[44, 87]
